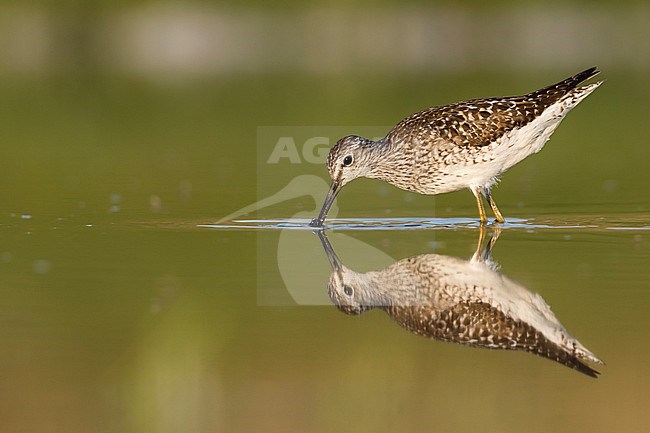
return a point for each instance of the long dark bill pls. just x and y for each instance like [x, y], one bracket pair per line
[331, 195]
[331, 255]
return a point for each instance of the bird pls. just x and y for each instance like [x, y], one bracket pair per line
[460, 301]
[462, 145]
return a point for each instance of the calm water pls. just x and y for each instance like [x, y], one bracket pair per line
[125, 305]
[168, 326]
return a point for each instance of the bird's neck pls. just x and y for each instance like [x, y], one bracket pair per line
[371, 289]
[388, 164]
[390, 288]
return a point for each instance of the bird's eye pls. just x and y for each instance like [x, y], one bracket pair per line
[347, 161]
[348, 290]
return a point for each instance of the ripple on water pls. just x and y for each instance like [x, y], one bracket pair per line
[398, 224]
[632, 222]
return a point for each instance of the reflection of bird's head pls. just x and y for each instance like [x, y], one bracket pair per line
[346, 291]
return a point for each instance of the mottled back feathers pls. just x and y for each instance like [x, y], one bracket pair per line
[479, 324]
[479, 122]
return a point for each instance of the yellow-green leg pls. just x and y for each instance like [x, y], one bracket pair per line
[493, 240]
[478, 254]
[497, 213]
[484, 250]
[481, 208]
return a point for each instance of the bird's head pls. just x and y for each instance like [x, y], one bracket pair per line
[346, 292]
[348, 159]
[346, 288]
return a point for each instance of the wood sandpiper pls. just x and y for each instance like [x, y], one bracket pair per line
[463, 145]
[460, 301]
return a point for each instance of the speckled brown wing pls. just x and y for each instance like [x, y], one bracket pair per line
[474, 123]
[479, 122]
[479, 324]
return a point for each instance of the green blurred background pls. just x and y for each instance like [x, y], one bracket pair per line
[124, 124]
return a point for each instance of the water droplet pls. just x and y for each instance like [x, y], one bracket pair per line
[383, 190]
[41, 266]
[185, 189]
[7, 257]
[155, 203]
[610, 185]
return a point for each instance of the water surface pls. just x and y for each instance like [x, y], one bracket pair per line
[137, 322]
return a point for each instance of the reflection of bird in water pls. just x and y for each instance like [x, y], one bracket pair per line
[461, 301]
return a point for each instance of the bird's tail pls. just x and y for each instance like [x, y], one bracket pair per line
[557, 90]
[573, 357]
